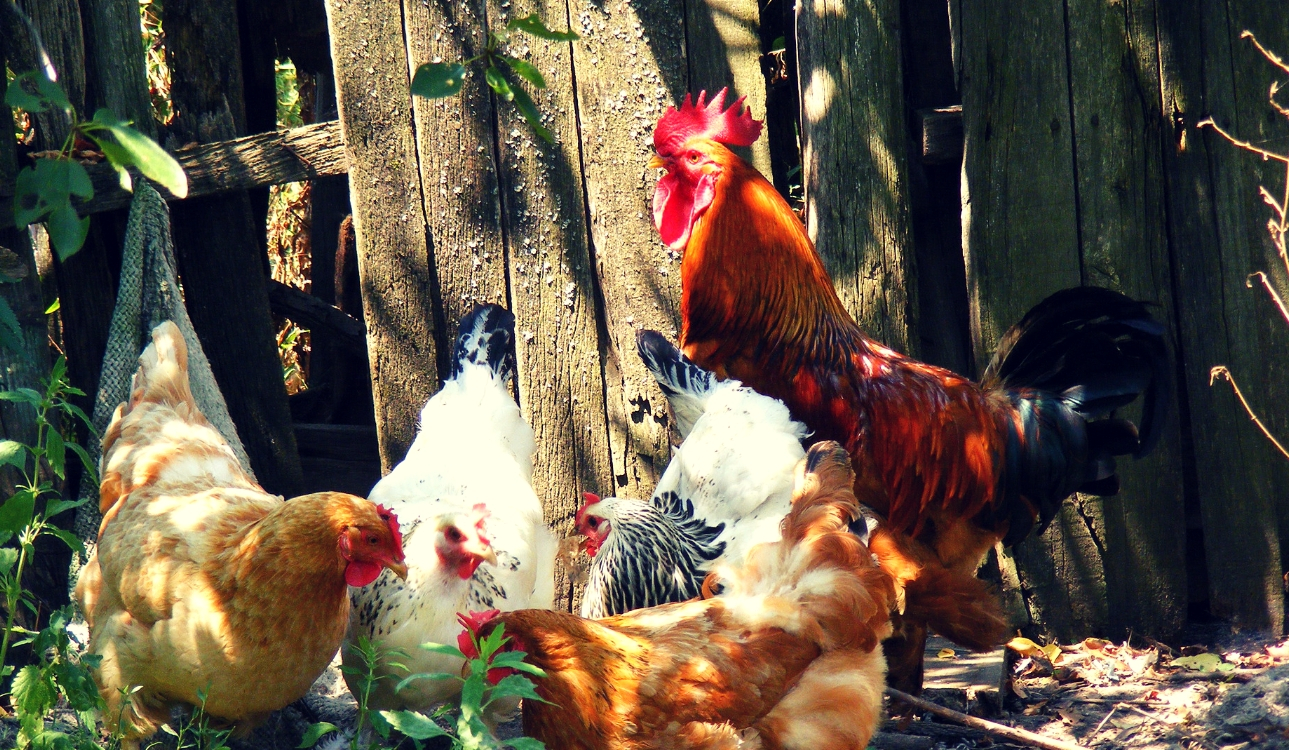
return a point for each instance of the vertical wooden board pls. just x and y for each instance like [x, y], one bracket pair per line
[854, 159]
[1208, 190]
[116, 70]
[723, 47]
[455, 146]
[59, 24]
[1256, 121]
[1021, 240]
[561, 381]
[629, 68]
[1114, 83]
[374, 93]
[1062, 575]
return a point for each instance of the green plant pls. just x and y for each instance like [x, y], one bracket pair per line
[440, 79]
[478, 692]
[26, 515]
[44, 192]
[196, 732]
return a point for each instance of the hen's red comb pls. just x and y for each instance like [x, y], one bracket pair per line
[588, 498]
[732, 127]
[389, 518]
[473, 621]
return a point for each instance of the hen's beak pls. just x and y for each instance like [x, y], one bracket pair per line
[480, 550]
[399, 568]
[657, 162]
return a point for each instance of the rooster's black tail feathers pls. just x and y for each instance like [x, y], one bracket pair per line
[487, 338]
[1066, 367]
[672, 369]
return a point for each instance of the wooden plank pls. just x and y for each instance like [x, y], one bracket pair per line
[856, 187]
[59, 25]
[306, 309]
[374, 87]
[456, 149]
[941, 129]
[723, 48]
[552, 288]
[630, 68]
[220, 247]
[256, 160]
[1215, 234]
[116, 69]
[1114, 66]
[1021, 232]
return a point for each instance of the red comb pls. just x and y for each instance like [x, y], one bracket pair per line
[472, 621]
[732, 127]
[589, 498]
[389, 518]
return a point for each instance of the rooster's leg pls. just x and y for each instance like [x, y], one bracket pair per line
[904, 659]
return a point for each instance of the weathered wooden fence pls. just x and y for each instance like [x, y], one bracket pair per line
[960, 161]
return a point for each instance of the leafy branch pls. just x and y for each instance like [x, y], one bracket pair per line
[440, 79]
[1277, 225]
[44, 192]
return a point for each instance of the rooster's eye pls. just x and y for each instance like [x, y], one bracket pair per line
[373, 539]
[694, 156]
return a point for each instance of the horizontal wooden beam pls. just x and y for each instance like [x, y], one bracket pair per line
[306, 309]
[252, 161]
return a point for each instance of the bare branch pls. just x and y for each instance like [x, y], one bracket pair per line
[1273, 57]
[1222, 372]
[1271, 290]
[1265, 154]
[1013, 734]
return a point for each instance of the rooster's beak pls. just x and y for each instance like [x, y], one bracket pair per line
[399, 568]
[657, 162]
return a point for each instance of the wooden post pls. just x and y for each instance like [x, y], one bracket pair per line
[116, 71]
[630, 68]
[1021, 237]
[374, 87]
[1114, 67]
[854, 164]
[220, 248]
[1217, 239]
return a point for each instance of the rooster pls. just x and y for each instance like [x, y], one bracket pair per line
[465, 495]
[202, 583]
[953, 465]
[728, 487]
[782, 651]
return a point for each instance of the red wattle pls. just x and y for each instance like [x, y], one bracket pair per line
[676, 206]
[360, 573]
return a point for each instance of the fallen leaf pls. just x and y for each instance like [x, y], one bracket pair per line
[1024, 646]
[1199, 662]
[1095, 644]
[947, 653]
[1051, 651]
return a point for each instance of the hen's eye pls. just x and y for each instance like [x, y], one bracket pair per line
[373, 539]
[694, 157]
[454, 535]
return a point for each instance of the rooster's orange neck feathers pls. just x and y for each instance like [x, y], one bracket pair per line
[724, 276]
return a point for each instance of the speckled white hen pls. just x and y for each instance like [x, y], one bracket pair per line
[473, 530]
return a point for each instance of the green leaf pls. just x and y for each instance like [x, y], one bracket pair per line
[515, 685]
[524, 103]
[779, 44]
[67, 230]
[472, 693]
[91, 471]
[34, 92]
[78, 685]
[31, 194]
[442, 648]
[13, 453]
[8, 559]
[78, 180]
[55, 307]
[22, 396]
[143, 152]
[54, 507]
[314, 733]
[56, 452]
[515, 660]
[526, 71]
[423, 676]
[413, 724]
[32, 693]
[524, 743]
[532, 24]
[1201, 662]
[437, 80]
[70, 539]
[17, 511]
[498, 83]
[11, 330]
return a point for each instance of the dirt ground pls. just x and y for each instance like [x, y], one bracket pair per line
[1227, 691]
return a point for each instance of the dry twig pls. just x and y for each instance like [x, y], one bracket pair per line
[998, 730]
[1222, 372]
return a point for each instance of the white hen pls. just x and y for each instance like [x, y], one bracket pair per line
[463, 491]
[726, 489]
